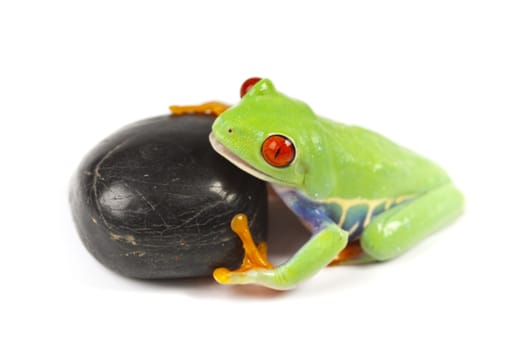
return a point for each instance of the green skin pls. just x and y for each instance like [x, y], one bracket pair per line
[334, 163]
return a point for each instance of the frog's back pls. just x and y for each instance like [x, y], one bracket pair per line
[371, 166]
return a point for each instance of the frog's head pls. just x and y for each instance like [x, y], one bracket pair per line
[275, 138]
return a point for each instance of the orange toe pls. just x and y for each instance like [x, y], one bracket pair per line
[352, 251]
[209, 108]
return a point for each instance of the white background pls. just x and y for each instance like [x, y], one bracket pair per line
[445, 78]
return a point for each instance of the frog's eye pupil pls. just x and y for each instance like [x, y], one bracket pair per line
[278, 151]
[248, 84]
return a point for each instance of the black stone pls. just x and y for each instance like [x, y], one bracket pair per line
[155, 201]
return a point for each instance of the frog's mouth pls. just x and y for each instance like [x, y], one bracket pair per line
[237, 161]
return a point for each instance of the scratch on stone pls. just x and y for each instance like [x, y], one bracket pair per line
[196, 215]
[94, 220]
[152, 207]
[138, 253]
[123, 238]
[99, 164]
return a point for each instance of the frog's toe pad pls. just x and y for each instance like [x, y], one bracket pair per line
[225, 276]
[222, 275]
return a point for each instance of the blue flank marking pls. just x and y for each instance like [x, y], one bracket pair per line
[311, 213]
[318, 215]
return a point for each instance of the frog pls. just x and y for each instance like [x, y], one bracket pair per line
[363, 197]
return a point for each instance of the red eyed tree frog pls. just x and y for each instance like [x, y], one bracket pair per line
[363, 197]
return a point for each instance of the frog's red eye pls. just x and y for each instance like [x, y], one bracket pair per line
[247, 85]
[278, 151]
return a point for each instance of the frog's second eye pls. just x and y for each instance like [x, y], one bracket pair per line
[247, 85]
[278, 150]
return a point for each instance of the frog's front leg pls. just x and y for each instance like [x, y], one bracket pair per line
[327, 241]
[255, 257]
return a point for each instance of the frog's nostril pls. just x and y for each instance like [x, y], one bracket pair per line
[230, 130]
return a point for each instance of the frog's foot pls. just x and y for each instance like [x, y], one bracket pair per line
[255, 257]
[353, 253]
[209, 108]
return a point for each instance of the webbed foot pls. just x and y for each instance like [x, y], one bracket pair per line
[255, 257]
[352, 254]
[208, 108]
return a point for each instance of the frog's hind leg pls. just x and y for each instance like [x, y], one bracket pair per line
[209, 108]
[396, 230]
